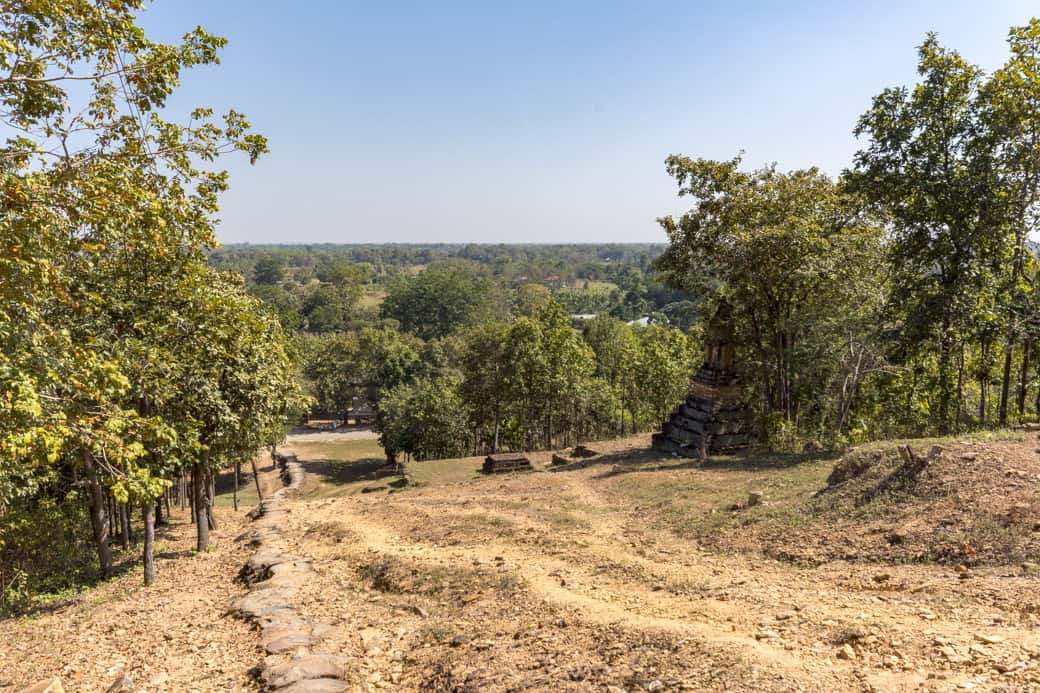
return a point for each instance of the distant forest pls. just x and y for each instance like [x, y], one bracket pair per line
[468, 348]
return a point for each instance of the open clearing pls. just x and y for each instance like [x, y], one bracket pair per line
[634, 572]
[626, 572]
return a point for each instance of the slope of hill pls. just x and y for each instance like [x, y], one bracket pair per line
[640, 573]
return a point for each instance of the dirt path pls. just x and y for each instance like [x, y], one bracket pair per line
[685, 616]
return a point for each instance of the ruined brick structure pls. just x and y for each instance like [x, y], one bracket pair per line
[714, 417]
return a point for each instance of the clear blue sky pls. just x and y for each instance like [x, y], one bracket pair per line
[539, 121]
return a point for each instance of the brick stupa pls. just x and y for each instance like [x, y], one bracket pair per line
[714, 417]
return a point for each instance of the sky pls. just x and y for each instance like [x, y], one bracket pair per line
[539, 122]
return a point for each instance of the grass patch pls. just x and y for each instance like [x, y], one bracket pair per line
[372, 297]
[922, 444]
[439, 472]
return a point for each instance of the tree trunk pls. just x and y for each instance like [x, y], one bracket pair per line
[124, 525]
[1023, 377]
[494, 445]
[549, 427]
[983, 381]
[960, 391]
[1005, 385]
[192, 505]
[199, 501]
[238, 466]
[97, 517]
[110, 513]
[211, 495]
[945, 349]
[256, 479]
[149, 542]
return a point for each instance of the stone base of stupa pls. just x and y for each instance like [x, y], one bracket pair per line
[713, 419]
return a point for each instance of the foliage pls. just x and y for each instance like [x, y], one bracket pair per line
[424, 419]
[124, 358]
[438, 301]
[798, 259]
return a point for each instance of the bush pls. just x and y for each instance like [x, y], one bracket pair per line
[45, 549]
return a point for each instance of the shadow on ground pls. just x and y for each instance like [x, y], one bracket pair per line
[650, 460]
[340, 473]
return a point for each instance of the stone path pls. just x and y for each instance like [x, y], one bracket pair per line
[274, 576]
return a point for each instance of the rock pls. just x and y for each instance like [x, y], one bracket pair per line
[320, 631]
[316, 686]
[952, 656]
[305, 667]
[414, 609]
[846, 652]
[261, 602]
[123, 683]
[786, 615]
[988, 639]
[766, 634]
[287, 640]
[48, 686]
[655, 685]
[370, 638]
[259, 565]
[897, 537]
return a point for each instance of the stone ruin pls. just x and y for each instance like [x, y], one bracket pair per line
[714, 417]
[575, 454]
[502, 463]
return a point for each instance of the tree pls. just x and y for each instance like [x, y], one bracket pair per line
[617, 351]
[568, 360]
[439, 300]
[269, 270]
[663, 370]
[333, 369]
[483, 386]
[108, 215]
[424, 419]
[1010, 122]
[791, 252]
[530, 298]
[927, 163]
[329, 307]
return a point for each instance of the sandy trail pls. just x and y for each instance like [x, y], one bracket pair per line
[576, 551]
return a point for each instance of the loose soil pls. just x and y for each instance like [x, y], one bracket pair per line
[637, 572]
[626, 571]
[173, 636]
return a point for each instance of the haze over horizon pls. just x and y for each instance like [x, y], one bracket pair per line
[459, 122]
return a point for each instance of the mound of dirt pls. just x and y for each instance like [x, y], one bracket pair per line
[964, 504]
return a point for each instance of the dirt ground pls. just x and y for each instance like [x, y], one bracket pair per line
[636, 572]
[626, 572]
[173, 636]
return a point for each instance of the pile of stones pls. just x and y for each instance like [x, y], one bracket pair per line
[274, 577]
